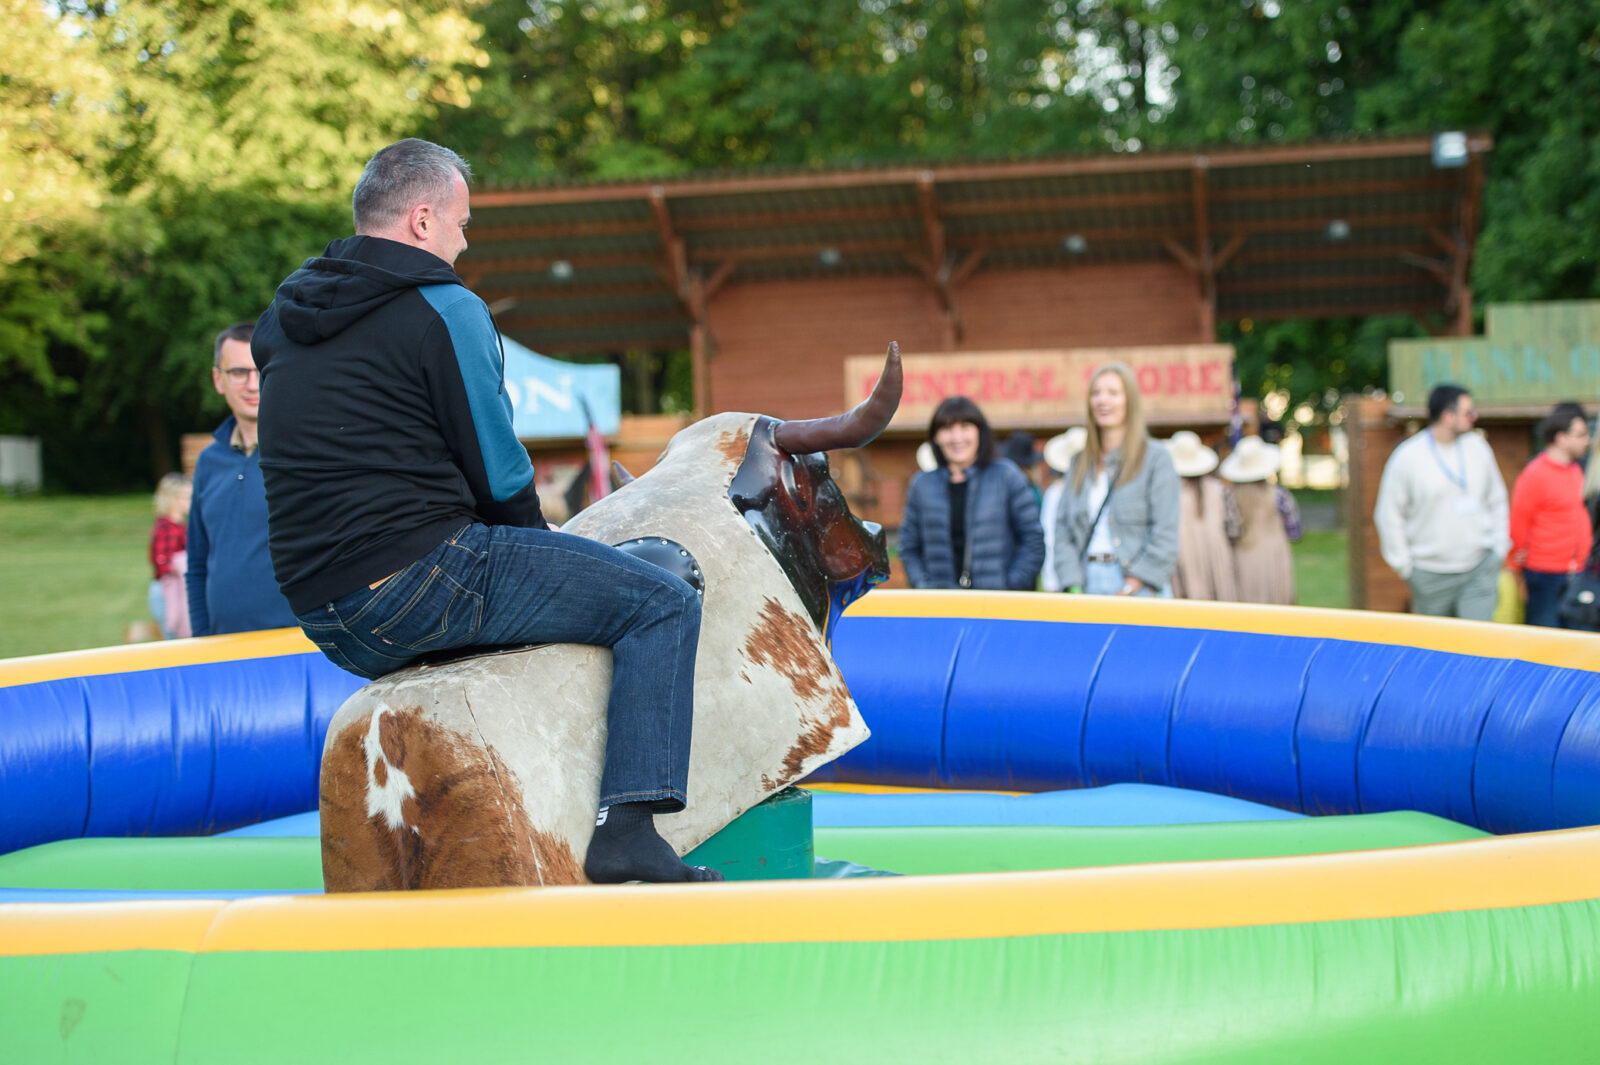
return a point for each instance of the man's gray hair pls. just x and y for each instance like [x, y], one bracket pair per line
[401, 176]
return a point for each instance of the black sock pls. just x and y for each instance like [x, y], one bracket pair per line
[626, 846]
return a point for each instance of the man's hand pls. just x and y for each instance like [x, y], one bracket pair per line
[1132, 585]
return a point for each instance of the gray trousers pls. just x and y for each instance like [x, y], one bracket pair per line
[1472, 594]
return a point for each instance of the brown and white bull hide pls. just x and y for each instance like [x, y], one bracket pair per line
[486, 771]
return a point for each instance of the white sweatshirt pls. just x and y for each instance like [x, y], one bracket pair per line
[1441, 507]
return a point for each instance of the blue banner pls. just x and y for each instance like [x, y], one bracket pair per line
[548, 395]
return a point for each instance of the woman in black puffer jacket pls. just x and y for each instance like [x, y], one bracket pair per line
[973, 520]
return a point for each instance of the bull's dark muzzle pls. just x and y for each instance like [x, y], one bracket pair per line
[880, 550]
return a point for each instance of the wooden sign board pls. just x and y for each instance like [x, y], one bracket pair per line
[1179, 383]
[1533, 354]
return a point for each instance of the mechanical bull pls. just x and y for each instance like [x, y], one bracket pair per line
[486, 771]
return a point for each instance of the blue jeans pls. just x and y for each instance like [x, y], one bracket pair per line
[1544, 596]
[497, 586]
[1106, 578]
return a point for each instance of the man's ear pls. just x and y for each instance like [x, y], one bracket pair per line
[422, 221]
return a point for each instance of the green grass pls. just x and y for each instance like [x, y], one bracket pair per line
[74, 570]
[1321, 568]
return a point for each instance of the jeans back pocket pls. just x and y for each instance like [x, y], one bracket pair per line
[425, 613]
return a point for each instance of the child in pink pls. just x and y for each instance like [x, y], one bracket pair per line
[169, 602]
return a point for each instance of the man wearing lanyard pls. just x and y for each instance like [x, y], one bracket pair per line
[1442, 514]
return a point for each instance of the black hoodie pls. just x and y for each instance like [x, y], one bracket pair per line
[385, 425]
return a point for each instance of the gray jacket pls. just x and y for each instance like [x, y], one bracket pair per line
[1143, 514]
[1005, 543]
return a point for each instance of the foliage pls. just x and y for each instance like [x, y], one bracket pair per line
[1268, 70]
[617, 88]
[1314, 361]
[167, 161]
[211, 147]
[281, 98]
[1526, 70]
[54, 118]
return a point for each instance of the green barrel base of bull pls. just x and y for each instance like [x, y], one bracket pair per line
[769, 841]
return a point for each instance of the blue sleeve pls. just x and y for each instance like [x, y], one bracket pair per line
[911, 537]
[475, 411]
[198, 546]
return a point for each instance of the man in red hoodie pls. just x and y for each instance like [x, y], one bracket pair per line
[1550, 532]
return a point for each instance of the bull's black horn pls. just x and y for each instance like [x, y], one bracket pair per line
[620, 474]
[857, 428]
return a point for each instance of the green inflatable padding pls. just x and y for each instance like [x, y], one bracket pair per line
[1436, 989]
[244, 863]
[991, 849]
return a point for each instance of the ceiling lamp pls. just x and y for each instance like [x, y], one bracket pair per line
[1450, 149]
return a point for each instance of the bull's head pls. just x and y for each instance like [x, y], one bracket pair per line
[785, 491]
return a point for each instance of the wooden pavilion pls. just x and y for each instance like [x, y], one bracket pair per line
[772, 280]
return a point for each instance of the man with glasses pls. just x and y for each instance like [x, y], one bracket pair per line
[230, 583]
[1442, 514]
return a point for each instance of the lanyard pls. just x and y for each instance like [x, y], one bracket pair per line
[1457, 479]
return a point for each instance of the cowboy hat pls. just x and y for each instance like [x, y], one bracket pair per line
[1190, 457]
[1252, 459]
[1059, 449]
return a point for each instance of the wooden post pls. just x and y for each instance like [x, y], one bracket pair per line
[700, 369]
[1372, 437]
[1202, 251]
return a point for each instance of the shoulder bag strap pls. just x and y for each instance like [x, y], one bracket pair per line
[1083, 552]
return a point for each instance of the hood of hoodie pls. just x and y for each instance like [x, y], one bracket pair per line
[352, 278]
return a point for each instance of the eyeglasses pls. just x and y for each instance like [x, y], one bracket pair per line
[240, 374]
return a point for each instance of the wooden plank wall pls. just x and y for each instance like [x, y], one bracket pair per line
[779, 348]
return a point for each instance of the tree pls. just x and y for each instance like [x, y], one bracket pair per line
[282, 98]
[1525, 71]
[212, 146]
[54, 119]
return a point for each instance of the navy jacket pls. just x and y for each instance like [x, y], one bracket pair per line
[385, 423]
[229, 581]
[1005, 542]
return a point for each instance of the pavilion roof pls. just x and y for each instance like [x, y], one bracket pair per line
[1284, 231]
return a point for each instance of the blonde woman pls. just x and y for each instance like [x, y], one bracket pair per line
[1117, 525]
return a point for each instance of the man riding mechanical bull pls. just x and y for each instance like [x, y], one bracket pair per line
[404, 522]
